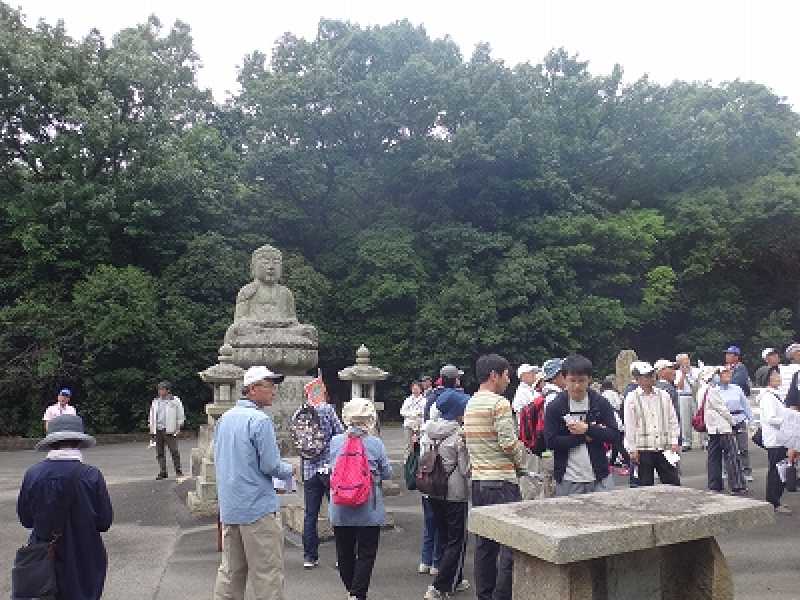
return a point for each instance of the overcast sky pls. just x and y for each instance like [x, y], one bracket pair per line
[716, 40]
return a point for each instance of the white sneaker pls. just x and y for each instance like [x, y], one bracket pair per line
[463, 585]
[434, 594]
[423, 569]
[310, 564]
[434, 571]
[783, 510]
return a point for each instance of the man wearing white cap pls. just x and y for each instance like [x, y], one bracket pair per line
[528, 376]
[651, 427]
[247, 458]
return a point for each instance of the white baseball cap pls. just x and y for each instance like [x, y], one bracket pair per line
[525, 368]
[663, 363]
[767, 351]
[641, 367]
[260, 373]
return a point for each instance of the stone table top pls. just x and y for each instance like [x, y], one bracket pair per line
[576, 528]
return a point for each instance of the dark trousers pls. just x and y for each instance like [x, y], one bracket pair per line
[774, 484]
[451, 524]
[162, 438]
[652, 461]
[431, 552]
[314, 490]
[356, 549]
[494, 563]
[723, 446]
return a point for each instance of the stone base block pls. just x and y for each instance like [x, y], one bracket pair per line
[196, 461]
[200, 507]
[694, 570]
[208, 472]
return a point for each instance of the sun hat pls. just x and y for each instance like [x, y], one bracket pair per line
[359, 409]
[552, 367]
[525, 368]
[260, 373]
[663, 363]
[450, 371]
[65, 428]
[791, 349]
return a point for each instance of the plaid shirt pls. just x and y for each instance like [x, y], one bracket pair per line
[331, 426]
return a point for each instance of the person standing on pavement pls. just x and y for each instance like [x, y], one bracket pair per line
[740, 376]
[576, 425]
[316, 482]
[450, 513]
[771, 358]
[526, 390]
[61, 407]
[721, 440]
[665, 379]
[771, 417]
[357, 529]
[62, 483]
[790, 376]
[739, 407]
[247, 459]
[166, 419]
[686, 385]
[651, 428]
[412, 412]
[497, 458]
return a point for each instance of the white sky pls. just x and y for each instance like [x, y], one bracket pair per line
[716, 40]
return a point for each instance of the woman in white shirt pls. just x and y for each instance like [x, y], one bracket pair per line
[721, 441]
[412, 412]
[771, 419]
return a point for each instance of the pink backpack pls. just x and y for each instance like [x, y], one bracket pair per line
[351, 480]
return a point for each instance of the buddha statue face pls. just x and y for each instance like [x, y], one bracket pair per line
[266, 265]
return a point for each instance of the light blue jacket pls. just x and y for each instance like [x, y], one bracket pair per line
[247, 458]
[372, 512]
[737, 402]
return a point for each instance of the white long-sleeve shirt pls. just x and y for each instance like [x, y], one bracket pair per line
[412, 411]
[771, 416]
[650, 421]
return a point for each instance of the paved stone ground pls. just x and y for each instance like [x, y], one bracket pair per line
[158, 551]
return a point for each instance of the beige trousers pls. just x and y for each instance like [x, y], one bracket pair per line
[252, 561]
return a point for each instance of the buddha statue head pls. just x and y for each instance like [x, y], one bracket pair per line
[266, 264]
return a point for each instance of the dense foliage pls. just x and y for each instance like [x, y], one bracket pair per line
[429, 205]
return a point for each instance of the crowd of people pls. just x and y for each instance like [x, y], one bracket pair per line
[561, 428]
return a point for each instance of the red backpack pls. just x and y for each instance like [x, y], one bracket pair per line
[351, 479]
[699, 418]
[531, 426]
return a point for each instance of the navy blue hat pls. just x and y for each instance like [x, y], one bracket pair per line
[734, 350]
[65, 392]
[451, 405]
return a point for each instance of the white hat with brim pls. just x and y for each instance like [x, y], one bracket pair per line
[525, 368]
[663, 363]
[260, 373]
[359, 409]
[66, 428]
[766, 352]
[640, 367]
[791, 349]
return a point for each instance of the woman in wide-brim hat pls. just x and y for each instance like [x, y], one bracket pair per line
[61, 493]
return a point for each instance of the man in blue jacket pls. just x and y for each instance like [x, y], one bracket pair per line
[577, 422]
[83, 508]
[247, 459]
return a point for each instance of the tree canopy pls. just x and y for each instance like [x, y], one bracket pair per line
[430, 205]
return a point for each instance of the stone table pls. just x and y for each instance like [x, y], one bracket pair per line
[653, 543]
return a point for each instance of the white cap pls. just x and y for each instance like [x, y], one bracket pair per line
[791, 349]
[767, 351]
[641, 367]
[663, 363]
[259, 373]
[525, 368]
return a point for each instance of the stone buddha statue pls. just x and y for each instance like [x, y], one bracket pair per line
[265, 313]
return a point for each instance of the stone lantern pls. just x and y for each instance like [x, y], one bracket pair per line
[363, 377]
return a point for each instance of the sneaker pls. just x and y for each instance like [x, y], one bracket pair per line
[423, 569]
[742, 492]
[310, 564]
[748, 478]
[434, 571]
[783, 510]
[434, 594]
[463, 585]
[161, 476]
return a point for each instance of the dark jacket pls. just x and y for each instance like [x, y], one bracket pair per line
[793, 397]
[673, 395]
[81, 570]
[741, 377]
[602, 428]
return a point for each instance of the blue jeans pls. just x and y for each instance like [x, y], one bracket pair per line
[431, 552]
[314, 490]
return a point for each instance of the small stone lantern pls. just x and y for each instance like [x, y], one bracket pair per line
[363, 377]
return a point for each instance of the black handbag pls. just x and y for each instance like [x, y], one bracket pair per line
[758, 438]
[33, 576]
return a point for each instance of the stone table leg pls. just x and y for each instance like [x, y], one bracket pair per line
[694, 570]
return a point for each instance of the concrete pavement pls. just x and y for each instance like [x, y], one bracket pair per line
[158, 551]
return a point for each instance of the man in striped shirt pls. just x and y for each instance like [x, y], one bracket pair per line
[498, 458]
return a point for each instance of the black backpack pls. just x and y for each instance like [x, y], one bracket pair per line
[431, 475]
[306, 432]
